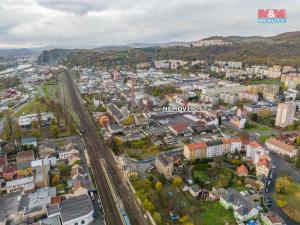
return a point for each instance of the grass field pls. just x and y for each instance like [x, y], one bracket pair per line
[183, 204]
[32, 107]
[292, 208]
[256, 127]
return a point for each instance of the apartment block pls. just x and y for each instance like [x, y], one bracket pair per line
[285, 114]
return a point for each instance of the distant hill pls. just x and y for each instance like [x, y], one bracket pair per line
[19, 52]
[280, 49]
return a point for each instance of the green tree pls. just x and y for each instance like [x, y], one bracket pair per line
[283, 185]
[158, 186]
[148, 205]
[54, 131]
[146, 184]
[157, 218]
[17, 131]
[177, 181]
[55, 180]
[35, 133]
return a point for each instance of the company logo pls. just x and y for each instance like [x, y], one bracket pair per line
[271, 15]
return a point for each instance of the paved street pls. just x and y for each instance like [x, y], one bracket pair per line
[282, 167]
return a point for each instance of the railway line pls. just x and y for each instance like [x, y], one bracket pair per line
[97, 151]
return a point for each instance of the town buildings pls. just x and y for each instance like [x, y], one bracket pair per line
[164, 165]
[281, 147]
[285, 114]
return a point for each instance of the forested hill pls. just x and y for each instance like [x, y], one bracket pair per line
[280, 49]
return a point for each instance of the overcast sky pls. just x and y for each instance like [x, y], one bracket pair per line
[34, 23]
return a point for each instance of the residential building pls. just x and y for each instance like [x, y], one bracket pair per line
[238, 122]
[25, 157]
[9, 172]
[271, 218]
[232, 145]
[195, 151]
[43, 118]
[251, 148]
[285, 114]
[19, 184]
[76, 211]
[243, 208]
[263, 167]
[141, 119]
[179, 129]
[29, 141]
[164, 165]
[214, 148]
[281, 147]
[115, 113]
[248, 96]
[215, 193]
[242, 171]
[194, 190]
[227, 98]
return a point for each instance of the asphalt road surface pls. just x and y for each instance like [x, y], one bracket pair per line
[282, 167]
[97, 151]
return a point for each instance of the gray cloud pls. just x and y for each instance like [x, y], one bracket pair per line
[105, 22]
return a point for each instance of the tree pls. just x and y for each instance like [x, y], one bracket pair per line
[9, 121]
[298, 140]
[148, 205]
[35, 133]
[177, 181]
[281, 203]
[158, 186]
[55, 180]
[283, 185]
[17, 131]
[146, 184]
[264, 114]
[253, 117]
[65, 170]
[54, 131]
[184, 219]
[157, 218]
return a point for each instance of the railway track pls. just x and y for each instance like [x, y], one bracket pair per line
[97, 151]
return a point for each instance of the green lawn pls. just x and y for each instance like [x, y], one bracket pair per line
[32, 107]
[213, 213]
[183, 204]
[292, 208]
[256, 127]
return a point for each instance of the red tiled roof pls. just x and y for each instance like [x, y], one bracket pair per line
[197, 145]
[231, 140]
[254, 144]
[264, 162]
[280, 144]
[25, 154]
[242, 169]
[179, 127]
[9, 169]
[56, 200]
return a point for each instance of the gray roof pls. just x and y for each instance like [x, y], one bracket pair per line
[52, 209]
[51, 221]
[165, 160]
[236, 198]
[73, 208]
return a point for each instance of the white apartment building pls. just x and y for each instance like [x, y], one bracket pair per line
[248, 96]
[281, 147]
[18, 185]
[231, 99]
[228, 88]
[285, 114]
[214, 148]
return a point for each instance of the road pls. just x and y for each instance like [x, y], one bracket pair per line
[97, 151]
[282, 167]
